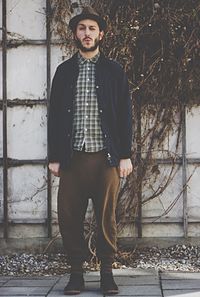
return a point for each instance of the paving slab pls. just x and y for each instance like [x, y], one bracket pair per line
[181, 284]
[143, 290]
[30, 283]
[130, 272]
[38, 277]
[181, 293]
[23, 291]
[136, 280]
[2, 283]
[180, 275]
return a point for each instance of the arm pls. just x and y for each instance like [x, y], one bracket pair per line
[54, 125]
[125, 128]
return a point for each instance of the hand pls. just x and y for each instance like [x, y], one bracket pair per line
[55, 168]
[125, 167]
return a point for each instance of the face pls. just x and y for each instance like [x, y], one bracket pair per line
[88, 35]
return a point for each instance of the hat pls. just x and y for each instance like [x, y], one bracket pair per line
[88, 13]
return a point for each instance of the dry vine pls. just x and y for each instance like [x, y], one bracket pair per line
[157, 42]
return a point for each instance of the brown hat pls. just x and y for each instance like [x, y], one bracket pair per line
[88, 13]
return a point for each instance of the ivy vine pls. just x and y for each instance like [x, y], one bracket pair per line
[157, 42]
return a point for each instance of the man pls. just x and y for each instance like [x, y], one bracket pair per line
[89, 130]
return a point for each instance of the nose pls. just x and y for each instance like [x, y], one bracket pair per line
[87, 31]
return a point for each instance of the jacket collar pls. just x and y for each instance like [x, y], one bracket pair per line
[101, 58]
[82, 60]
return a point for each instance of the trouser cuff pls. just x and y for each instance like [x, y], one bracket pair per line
[106, 265]
[76, 268]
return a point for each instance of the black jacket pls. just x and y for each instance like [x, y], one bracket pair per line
[114, 109]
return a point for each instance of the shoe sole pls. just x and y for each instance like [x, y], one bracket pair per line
[111, 292]
[73, 292]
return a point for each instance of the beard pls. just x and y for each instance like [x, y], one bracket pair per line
[87, 49]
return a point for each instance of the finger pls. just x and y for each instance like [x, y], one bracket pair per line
[122, 173]
[126, 173]
[56, 174]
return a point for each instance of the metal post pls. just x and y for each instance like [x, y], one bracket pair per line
[184, 172]
[139, 170]
[5, 160]
[48, 37]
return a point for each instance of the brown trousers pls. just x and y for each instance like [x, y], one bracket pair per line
[89, 176]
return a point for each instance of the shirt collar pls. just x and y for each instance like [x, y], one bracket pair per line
[82, 60]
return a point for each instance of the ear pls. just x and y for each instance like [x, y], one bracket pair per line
[101, 34]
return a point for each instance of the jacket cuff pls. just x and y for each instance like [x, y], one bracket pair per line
[53, 160]
[125, 156]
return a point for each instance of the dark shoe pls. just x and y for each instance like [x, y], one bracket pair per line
[75, 285]
[108, 285]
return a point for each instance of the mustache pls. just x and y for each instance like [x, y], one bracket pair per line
[87, 38]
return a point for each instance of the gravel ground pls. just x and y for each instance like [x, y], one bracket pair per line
[175, 258]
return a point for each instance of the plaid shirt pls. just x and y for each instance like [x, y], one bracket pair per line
[86, 123]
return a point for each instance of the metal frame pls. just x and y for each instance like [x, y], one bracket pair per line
[5, 159]
[139, 171]
[184, 172]
[48, 34]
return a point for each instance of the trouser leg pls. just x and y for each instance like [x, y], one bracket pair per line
[105, 201]
[72, 206]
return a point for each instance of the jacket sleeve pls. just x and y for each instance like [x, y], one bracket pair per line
[54, 125]
[125, 117]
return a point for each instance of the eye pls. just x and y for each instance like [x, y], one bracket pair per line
[81, 27]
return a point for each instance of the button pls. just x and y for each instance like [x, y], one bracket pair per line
[109, 157]
[86, 116]
[69, 110]
[68, 134]
[86, 129]
[87, 91]
[97, 87]
[105, 135]
[101, 110]
[88, 68]
[87, 103]
[88, 79]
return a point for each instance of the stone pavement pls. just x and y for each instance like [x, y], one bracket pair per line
[131, 282]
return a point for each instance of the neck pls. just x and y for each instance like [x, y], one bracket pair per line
[89, 55]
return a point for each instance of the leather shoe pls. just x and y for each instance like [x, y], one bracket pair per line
[75, 285]
[108, 285]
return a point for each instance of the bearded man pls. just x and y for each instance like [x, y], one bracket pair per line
[89, 138]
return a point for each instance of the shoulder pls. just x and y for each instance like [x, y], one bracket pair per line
[112, 64]
[113, 67]
[67, 64]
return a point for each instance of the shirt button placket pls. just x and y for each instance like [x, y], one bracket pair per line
[86, 106]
